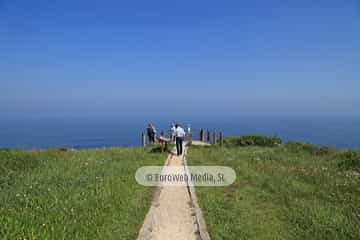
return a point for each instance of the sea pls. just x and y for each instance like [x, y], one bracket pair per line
[97, 132]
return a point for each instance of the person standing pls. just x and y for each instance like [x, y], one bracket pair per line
[172, 133]
[179, 138]
[150, 133]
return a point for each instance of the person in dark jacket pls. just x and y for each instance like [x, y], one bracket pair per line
[151, 133]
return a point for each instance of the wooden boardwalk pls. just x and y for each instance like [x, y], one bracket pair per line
[173, 214]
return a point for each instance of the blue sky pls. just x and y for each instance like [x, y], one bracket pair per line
[185, 57]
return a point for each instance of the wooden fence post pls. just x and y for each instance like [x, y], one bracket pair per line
[201, 135]
[143, 139]
[208, 136]
[221, 139]
[214, 137]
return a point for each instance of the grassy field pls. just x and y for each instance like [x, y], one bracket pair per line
[293, 191]
[85, 194]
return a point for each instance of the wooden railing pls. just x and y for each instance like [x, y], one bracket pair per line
[205, 135]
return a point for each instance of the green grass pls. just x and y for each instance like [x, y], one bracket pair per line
[253, 140]
[85, 194]
[282, 193]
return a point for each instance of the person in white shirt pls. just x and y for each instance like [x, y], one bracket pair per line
[179, 137]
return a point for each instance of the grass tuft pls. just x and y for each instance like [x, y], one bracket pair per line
[349, 160]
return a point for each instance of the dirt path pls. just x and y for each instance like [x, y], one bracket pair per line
[172, 215]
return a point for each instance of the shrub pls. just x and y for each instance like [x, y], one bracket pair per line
[349, 160]
[296, 146]
[253, 140]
